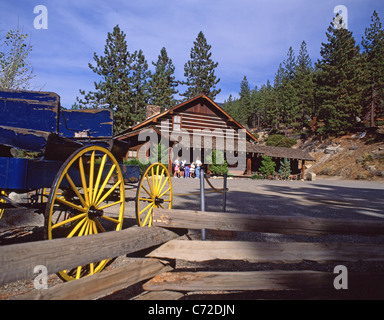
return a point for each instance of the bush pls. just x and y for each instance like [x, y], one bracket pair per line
[217, 157]
[267, 166]
[279, 140]
[136, 162]
[285, 169]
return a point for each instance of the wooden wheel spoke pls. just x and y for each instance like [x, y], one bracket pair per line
[148, 215]
[71, 205]
[59, 224]
[151, 204]
[110, 205]
[110, 219]
[109, 192]
[91, 173]
[74, 188]
[98, 179]
[76, 228]
[165, 181]
[104, 183]
[164, 192]
[83, 181]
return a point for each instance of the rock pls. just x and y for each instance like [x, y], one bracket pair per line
[371, 168]
[333, 150]
[310, 176]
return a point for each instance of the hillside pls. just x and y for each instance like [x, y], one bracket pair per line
[349, 157]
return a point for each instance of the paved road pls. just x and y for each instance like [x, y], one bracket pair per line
[322, 198]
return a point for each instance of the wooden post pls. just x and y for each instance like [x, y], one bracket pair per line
[302, 169]
[249, 165]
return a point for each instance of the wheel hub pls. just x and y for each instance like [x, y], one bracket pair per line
[158, 201]
[93, 212]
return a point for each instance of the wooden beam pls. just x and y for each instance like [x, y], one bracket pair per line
[260, 280]
[191, 219]
[268, 252]
[17, 261]
[101, 284]
[160, 295]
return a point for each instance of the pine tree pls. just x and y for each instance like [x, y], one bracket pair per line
[290, 65]
[339, 82]
[139, 85]
[123, 84]
[200, 71]
[373, 44]
[245, 102]
[163, 85]
[304, 85]
[285, 169]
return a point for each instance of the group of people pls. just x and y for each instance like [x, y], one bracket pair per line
[184, 170]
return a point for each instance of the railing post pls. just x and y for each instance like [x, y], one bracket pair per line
[225, 192]
[202, 198]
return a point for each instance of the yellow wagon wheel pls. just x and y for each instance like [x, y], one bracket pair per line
[87, 197]
[154, 191]
[2, 201]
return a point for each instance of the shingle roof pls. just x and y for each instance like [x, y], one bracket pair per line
[279, 152]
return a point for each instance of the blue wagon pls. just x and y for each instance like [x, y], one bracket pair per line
[71, 164]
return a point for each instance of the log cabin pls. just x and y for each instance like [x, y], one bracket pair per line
[197, 126]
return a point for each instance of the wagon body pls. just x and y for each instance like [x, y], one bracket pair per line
[75, 167]
[35, 121]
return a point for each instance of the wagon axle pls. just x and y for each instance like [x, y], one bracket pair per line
[158, 201]
[93, 212]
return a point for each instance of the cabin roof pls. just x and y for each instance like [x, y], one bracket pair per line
[151, 120]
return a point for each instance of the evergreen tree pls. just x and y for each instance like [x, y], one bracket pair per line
[339, 82]
[304, 85]
[373, 44]
[123, 84]
[200, 71]
[285, 169]
[163, 84]
[290, 65]
[139, 85]
[245, 102]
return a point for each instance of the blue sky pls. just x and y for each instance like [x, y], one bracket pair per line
[248, 37]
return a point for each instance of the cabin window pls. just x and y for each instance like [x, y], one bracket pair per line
[132, 154]
[176, 123]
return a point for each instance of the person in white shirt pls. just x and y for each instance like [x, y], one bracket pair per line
[198, 164]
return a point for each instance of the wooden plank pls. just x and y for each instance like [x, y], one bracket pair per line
[18, 261]
[309, 226]
[101, 284]
[272, 252]
[260, 280]
[160, 295]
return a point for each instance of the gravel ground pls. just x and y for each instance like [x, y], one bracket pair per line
[328, 198]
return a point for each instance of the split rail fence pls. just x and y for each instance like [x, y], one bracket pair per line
[163, 244]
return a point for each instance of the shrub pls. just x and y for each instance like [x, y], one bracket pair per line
[218, 165]
[285, 169]
[267, 166]
[279, 140]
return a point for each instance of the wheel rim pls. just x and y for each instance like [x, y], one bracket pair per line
[154, 191]
[2, 201]
[87, 197]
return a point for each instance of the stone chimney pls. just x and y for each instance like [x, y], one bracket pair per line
[151, 111]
